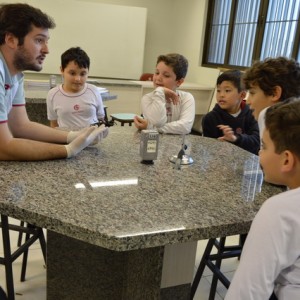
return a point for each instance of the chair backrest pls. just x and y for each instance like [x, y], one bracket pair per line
[146, 77]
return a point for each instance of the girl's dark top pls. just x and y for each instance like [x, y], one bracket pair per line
[244, 126]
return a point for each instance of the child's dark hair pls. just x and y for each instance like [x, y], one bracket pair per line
[177, 62]
[233, 76]
[283, 123]
[77, 55]
[272, 72]
[19, 18]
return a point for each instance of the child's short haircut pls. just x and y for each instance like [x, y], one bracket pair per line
[272, 72]
[283, 123]
[233, 76]
[77, 55]
[177, 62]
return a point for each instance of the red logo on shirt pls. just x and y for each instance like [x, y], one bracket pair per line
[76, 107]
[6, 86]
[239, 130]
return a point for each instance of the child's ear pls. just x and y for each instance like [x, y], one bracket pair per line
[277, 92]
[288, 161]
[243, 95]
[180, 82]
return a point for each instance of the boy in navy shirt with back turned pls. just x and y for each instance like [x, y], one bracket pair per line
[231, 119]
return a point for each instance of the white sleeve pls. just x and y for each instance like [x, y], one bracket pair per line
[154, 108]
[183, 116]
[272, 246]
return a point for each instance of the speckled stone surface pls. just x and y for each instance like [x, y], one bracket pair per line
[218, 195]
[106, 197]
[37, 111]
[81, 271]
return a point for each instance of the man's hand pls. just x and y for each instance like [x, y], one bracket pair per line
[86, 137]
[102, 134]
[140, 123]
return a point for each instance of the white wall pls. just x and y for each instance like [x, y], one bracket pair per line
[112, 35]
[173, 26]
[190, 36]
[159, 19]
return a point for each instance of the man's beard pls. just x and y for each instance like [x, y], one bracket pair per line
[23, 61]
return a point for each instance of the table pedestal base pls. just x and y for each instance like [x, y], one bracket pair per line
[78, 270]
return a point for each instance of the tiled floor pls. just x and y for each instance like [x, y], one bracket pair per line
[34, 288]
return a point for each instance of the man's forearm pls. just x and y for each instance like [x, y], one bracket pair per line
[40, 132]
[28, 150]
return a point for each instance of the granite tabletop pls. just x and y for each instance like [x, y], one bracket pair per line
[107, 197]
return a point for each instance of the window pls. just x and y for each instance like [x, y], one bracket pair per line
[241, 31]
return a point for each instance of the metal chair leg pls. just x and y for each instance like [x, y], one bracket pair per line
[218, 262]
[7, 260]
[201, 267]
[213, 262]
[25, 257]
[19, 243]
[42, 241]
[33, 233]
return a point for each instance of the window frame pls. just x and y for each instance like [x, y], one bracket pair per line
[258, 40]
